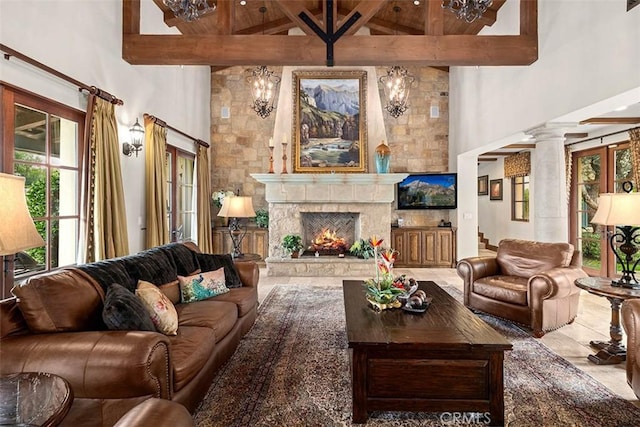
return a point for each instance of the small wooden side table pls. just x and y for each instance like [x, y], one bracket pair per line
[34, 399]
[613, 351]
[248, 257]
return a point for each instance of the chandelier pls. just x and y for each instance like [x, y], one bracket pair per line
[469, 10]
[397, 84]
[189, 10]
[264, 86]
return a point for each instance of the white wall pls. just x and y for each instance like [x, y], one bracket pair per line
[82, 38]
[589, 60]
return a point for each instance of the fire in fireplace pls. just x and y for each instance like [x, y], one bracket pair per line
[328, 233]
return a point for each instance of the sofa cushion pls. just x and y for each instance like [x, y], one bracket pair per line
[511, 289]
[219, 316]
[172, 291]
[191, 348]
[209, 262]
[123, 310]
[162, 312]
[60, 301]
[202, 285]
[245, 298]
[525, 258]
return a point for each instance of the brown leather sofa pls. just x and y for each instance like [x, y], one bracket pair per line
[631, 323]
[156, 412]
[530, 283]
[55, 326]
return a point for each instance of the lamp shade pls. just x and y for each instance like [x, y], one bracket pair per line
[17, 231]
[237, 207]
[618, 209]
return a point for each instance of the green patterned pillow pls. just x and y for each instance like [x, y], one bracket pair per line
[202, 286]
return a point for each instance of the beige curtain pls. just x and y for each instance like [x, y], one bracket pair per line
[110, 220]
[634, 145]
[517, 165]
[86, 247]
[156, 183]
[205, 241]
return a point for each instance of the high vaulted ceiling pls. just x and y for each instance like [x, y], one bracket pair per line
[424, 34]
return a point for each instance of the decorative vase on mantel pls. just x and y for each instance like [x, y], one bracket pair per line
[383, 158]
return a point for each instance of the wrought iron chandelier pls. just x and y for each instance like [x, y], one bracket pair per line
[469, 10]
[397, 84]
[189, 10]
[264, 87]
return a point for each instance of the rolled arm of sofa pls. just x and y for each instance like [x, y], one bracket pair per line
[97, 364]
[249, 273]
[558, 282]
[472, 269]
[631, 323]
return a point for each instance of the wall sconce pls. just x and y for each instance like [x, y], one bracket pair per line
[136, 134]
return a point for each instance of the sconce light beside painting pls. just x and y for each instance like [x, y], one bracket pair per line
[136, 133]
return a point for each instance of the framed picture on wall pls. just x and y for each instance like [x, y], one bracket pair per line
[483, 185]
[495, 189]
[329, 121]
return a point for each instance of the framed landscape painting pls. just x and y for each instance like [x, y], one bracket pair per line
[495, 189]
[483, 185]
[329, 121]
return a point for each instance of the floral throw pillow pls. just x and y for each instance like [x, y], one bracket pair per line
[203, 285]
[163, 313]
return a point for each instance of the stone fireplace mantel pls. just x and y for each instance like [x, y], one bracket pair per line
[290, 195]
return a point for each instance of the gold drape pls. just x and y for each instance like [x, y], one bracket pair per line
[86, 246]
[156, 183]
[568, 163]
[634, 146]
[205, 241]
[110, 219]
[517, 165]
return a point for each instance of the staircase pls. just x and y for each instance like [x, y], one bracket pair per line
[484, 248]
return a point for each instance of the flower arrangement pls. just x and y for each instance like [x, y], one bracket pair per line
[218, 196]
[383, 291]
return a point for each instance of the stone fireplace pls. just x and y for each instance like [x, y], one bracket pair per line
[363, 201]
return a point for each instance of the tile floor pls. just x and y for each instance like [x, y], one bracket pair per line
[570, 342]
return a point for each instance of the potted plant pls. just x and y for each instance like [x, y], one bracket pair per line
[262, 218]
[362, 248]
[292, 243]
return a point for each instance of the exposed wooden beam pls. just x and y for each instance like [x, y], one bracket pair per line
[500, 153]
[422, 50]
[520, 145]
[576, 135]
[309, 50]
[366, 9]
[612, 120]
[487, 159]
[434, 19]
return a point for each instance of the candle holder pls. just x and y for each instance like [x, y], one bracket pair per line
[271, 160]
[284, 157]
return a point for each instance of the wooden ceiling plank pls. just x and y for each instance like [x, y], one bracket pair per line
[366, 8]
[576, 134]
[434, 19]
[350, 50]
[487, 159]
[520, 146]
[500, 153]
[292, 9]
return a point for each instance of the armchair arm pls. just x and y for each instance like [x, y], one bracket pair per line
[249, 273]
[558, 282]
[630, 314]
[472, 269]
[97, 364]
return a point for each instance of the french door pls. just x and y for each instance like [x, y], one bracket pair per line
[595, 171]
[181, 197]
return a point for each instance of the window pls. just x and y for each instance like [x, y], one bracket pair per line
[43, 143]
[181, 198]
[520, 198]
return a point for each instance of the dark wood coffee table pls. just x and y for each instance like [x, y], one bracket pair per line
[444, 360]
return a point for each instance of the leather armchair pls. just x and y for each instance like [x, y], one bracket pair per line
[631, 323]
[530, 283]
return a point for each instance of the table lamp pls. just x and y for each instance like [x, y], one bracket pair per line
[17, 230]
[236, 208]
[622, 208]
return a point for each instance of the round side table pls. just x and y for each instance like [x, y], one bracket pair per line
[34, 399]
[612, 351]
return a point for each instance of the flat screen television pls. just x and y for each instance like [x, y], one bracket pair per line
[428, 191]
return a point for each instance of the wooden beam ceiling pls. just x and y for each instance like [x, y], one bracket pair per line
[227, 47]
[612, 120]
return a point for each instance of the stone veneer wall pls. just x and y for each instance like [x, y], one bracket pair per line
[239, 143]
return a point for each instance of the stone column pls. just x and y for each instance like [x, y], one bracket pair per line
[548, 177]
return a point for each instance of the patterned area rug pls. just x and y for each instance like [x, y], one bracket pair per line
[292, 369]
